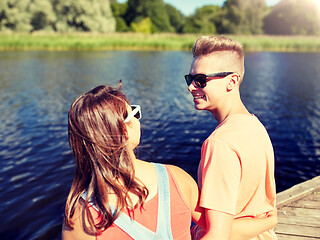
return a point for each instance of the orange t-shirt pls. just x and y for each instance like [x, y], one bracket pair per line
[147, 216]
[236, 171]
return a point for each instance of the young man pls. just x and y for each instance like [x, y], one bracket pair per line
[236, 172]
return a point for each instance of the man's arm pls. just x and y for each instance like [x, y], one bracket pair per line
[244, 228]
[247, 228]
[219, 225]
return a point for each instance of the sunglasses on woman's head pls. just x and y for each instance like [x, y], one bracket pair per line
[136, 112]
[201, 79]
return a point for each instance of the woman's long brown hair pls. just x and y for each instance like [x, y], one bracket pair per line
[97, 137]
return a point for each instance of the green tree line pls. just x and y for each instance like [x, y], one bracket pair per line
[56, 15]
[289, 17]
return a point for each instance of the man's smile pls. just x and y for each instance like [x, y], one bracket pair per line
[198, 96]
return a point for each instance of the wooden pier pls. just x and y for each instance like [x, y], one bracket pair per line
[299, 212]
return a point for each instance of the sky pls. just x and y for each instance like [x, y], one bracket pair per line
[188, 7]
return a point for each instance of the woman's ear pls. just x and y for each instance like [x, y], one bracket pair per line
[233, 82]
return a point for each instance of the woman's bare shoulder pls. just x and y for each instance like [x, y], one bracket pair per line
[186, 183]
[179, 173]
[77, 230]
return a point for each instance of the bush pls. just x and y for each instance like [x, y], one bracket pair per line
[144, 26]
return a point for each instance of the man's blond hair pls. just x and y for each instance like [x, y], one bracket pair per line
[206, 45]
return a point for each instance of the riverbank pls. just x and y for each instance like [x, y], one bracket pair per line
[134, 41]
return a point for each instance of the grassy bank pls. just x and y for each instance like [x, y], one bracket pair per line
[86, 41]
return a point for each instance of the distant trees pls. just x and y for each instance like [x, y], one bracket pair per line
[56, 15]
[234, 17]
[243, 16]
[119, 10]
[176, 18]
[205, 20]
[138, 10]
[15, 15]
[83, 15]
[42, 16]
[292, 17]
[150, 16]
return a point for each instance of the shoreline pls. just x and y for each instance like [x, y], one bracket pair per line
[148, 42]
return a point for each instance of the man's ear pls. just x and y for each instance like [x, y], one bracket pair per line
[233, 82]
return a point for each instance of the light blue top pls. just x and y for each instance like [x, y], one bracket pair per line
[140, 232]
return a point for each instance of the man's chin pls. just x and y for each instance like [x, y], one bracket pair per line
[201, 108]
[197, 107]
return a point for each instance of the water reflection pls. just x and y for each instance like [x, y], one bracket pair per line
[287, 101]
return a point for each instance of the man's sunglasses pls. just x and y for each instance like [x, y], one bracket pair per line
[136, 112]
[201, 79]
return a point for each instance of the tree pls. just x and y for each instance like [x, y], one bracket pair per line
[138, 10]
[42, 15]
[205, 20]
[294, 17]
[243, 16]
[84, 15]
[144, 26]
[119, 11]
[60, 15]
[14, 15]
[176, 18]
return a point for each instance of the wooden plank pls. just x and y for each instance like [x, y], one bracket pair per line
[292, 237]
[298, 231]
[305, 203]
[300, 212]
[314, 196]
[298, 191]
[299, 221]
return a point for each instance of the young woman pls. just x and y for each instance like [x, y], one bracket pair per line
[114, 195]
